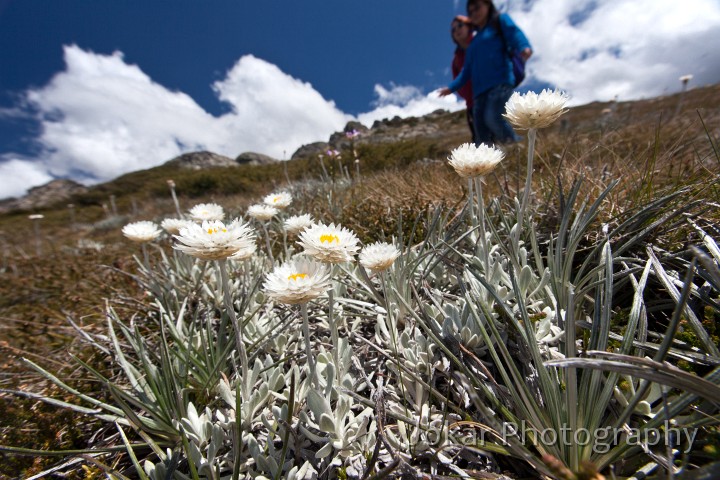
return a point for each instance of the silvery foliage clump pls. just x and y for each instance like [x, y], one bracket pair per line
[462, 330]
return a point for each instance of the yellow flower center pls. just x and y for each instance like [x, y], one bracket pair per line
[295, 276]
[276, 199]
[216, 230]
[328, 238]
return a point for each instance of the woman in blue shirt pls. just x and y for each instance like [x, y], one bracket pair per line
[489, 69]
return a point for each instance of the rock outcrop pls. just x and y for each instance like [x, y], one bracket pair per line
[311, 150]
[200, 160]
[45, 195]
[252, 158]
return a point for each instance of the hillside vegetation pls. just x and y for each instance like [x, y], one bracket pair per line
[620, 232]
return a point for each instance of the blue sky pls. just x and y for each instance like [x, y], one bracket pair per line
[93, 89]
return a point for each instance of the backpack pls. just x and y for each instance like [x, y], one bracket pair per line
[518, 63]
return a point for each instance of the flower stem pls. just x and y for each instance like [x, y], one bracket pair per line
[267, 243]
[308, 352]
[334, 335]
[230, 308]
[146, 257]
[471, 205]
[175, 201]
[532, 133]
[38, 238]
[392, 324]
[481, 211]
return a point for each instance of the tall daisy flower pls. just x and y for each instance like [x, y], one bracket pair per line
[298, 282]
[213, 240]
[329, 243]
[141, 232]
[173, 225]
[378, 256]
[474, 162]
[207, 212]
[532, 110]
[279, 200]
[262, 212]
[298, 223]
[471, 161]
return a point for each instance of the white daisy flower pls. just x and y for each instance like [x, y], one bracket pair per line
[298, 223]
[144, 231]
[206, 212]
[279, 200]
[213, 240]
[298, 281]
[532, 110]
[173, 225]
[378, 256]
[471, 161]
[36, 216]
[329, 243]
[262, 212]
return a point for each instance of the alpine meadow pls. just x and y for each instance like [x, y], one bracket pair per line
[394, 303]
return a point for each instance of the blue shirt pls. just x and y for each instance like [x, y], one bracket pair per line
[487, 62]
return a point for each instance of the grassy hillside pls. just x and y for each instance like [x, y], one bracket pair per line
[58, 277]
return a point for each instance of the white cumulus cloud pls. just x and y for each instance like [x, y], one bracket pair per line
[597, 50]
[406, 101]
[101, 117]
[17, 175]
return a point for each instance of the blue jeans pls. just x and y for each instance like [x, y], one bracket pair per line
[488, 108]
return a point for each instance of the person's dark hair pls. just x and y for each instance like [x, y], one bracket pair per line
[493, 13]
[459, 19]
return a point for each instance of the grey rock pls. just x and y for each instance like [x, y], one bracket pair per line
[200, 160]
[43, 196]
[310, 150]
[252, 158]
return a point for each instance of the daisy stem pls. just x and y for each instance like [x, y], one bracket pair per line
[285, 247]
[326, 177]
[471, 205]
[38, 238]
[532, 133]
[146, 257]
[175, 201]
[481, 212]
[392, 323]
[230, 308]
[267, 243]
[308, 352]
[334, 334]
